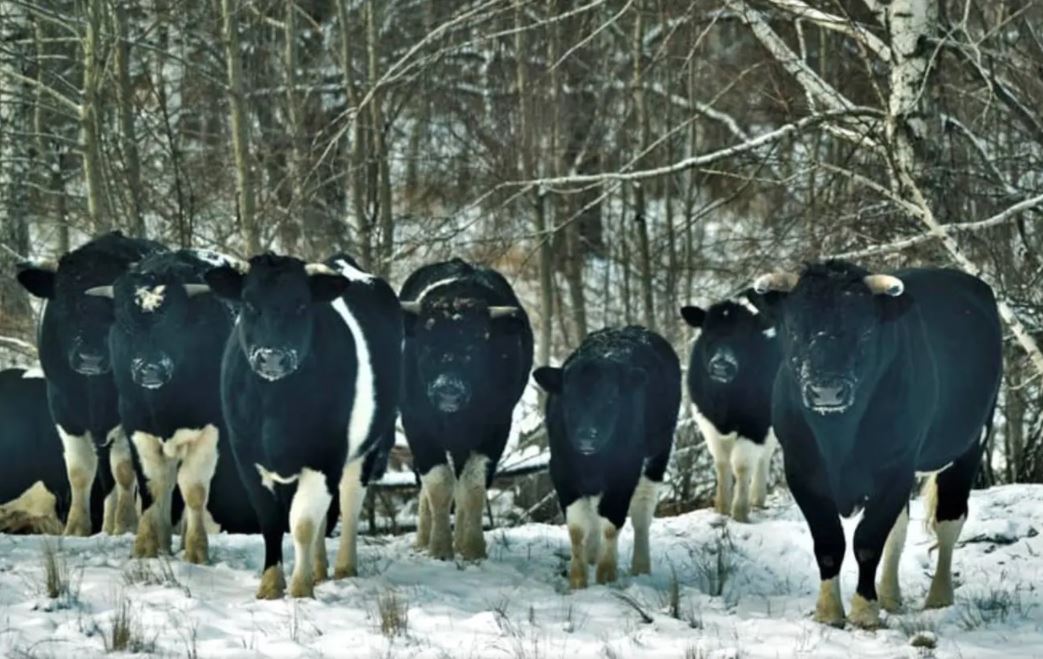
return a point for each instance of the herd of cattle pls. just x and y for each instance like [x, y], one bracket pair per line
[259, 389]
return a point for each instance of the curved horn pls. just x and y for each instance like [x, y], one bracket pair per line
[319, 269]
[502, 312]
[101, 291]
[884, 285]
[410, 307]
[781, 282]
[196, 289]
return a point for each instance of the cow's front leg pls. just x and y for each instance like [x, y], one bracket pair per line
[352, 496]
[642, 510]
[124, 513]
[470, 502]
[154, 529]
[81, 466]
[198, 453]
[311, 502]
[438, 483]
[423, 521]
[878, 520]
[828, 535]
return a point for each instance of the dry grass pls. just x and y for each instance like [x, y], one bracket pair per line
[126, 633]
[393, 613]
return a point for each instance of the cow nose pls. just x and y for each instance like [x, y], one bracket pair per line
[587, 441]
[88, 362]
[833, 393]
[273, 363]
[449, 393]
[152, 373]
[723, 366]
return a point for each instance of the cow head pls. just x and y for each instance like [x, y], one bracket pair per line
[599, 399]
[277, 298]
[831, 319]
[731, 339]
[153, 317]
[454, 346]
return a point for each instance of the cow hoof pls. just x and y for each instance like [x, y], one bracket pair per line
[345, 572]
[606, 573]
[721, 508]
[864, 613]
[420, 544]
[301, 587]
[577, 575]
[273, 584]
[197, 552]
[473, 551]
[938, 598]
[146, 542]
[639, 566]
[321, 572]
[741, 515]
[78, 526]
[828, 609]
[441, 548]
[890, 600]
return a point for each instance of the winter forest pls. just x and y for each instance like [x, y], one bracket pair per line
[615, 160]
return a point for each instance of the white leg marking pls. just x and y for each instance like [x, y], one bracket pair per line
[34, 511]
[423, 521]
[352, 496]
[941, 593]
[123, 518]
[310, 504]
[720, 447]
[198, 452]
[608, 560]
[642, 510]
[470, 502]
[154, 530]
[759, 487]
[888, 591]
[438, 483]
[746, 456]
[81, 466]
[364, 407]
[583, 522]
[829, 610]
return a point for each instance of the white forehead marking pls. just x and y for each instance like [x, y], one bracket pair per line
[149, 299]
[351, 272]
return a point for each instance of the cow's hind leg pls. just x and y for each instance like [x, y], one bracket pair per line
[352, 495]
[745, 458]
[198, 465]
[123, 518]
[642, 510]
[470, 502]
[423, 521]
[81, 466]
[154, 529]
[311, 503]
[946, 506]
[759, 486]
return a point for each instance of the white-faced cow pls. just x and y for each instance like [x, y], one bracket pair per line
[467, 356]
[34, 490]
[74, 354]
[730, 377]
[883, 376]
[310, 386]
[167, 342]
[611, 416]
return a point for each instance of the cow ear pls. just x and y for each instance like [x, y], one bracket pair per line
[225, 282]
[549, 378]
[326, 288]
[893, 308]
[37, 279]
[694, 316]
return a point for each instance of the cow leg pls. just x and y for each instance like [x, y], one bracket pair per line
[270, 518]
[123, 517]
[583, 524]
[198, 464]
[311, 503]
[470, 502]
[759, 487]
[439, 482]
[878, 520]
[154, 529]
[888, 590]
[352, 496]
[745, 458]
[322, 565]
[423, 523]
[948, 511]
[81, 466]
[612, 511]
[642, 510]
[828, 535]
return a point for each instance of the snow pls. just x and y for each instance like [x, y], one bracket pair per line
[744, 590]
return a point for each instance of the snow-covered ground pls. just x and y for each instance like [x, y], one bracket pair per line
[742, 591]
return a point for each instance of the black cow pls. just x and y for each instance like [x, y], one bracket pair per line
[467, 357]
[730, 377]
[28, 438]
[882, 376]
[611, 416]
[166, 344]
[74, 354]
[310, 385]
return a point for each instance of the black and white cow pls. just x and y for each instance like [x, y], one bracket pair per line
[310, 385]
[730, 377]
[611, 416]
[467, 357]
[27, 434]
[883, 376]
[74, 354]
[166, 343]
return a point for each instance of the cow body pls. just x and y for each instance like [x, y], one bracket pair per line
[167, 343]
[611, 414]
[28, 433]
[73, 345]
[883, 376]
[730, 378]
[310, 383]
[467, 356]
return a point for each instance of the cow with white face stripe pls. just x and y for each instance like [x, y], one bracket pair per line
[310, 383]
[467, 355]
[166, 344]
[74, 354]
[730, 377]
[883, 376]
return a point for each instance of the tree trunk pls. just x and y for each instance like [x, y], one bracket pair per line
[90, 143]
[640, 211]
[383, 170]
[240, 126]
[290, 227]
[129, 142]
[357, 153]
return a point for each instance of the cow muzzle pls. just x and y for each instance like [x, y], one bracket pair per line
[829, 395]
[90, 363]
[587, 441]
[152, 373]
[723, 366]
[273, 363]
[449, 394]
